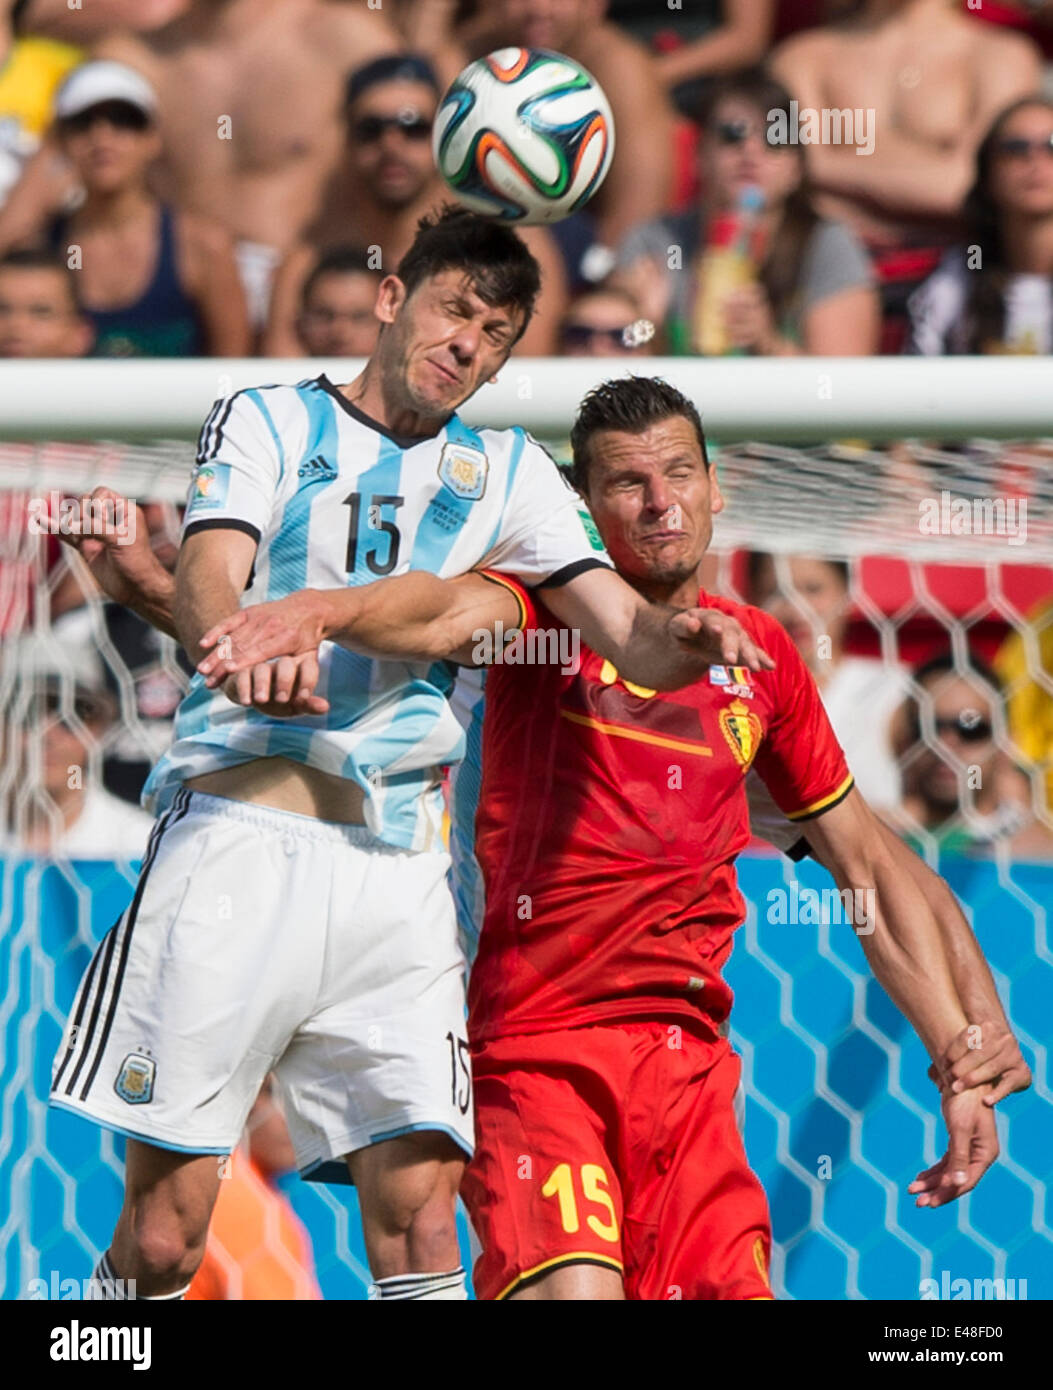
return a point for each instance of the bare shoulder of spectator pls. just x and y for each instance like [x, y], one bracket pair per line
[356, 33]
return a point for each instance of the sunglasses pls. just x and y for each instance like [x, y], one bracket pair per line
[582, 334]
[121, 114]
[48, 705]
[738, 132]
[964, 726]
[1018, 147]
[413, 126]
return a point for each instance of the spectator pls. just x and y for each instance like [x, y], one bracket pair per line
[39, 313]
[995, 293]
[336, 316]
[639, 183]
[1029, 698]
[154, 282]
[860, 694]
[605, 322]
[61, 715]
[385, 183]
[692, 46]
[88, 23]
[929, 81]
[959, 788]
[814, 289]
[250, 95]
[30, 71]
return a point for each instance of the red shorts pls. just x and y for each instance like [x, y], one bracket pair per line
[615, 1145]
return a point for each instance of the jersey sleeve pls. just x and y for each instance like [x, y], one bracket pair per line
[237, 468]
[767, 822]
[547, 535]
[800, 760]
[521, 594]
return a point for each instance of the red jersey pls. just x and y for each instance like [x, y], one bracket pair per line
[609, 820]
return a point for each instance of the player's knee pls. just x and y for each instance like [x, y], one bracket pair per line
[417, 1207]
[432, 1234]
[169, 1244]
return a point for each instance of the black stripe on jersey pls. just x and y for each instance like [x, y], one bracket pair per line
[218, 427]
[82, 1002]
[202, 439]
[180, 806]
[224, 523]
[569, 572]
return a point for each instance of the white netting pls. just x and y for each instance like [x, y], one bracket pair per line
[831, 1069]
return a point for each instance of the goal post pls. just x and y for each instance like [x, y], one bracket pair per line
[928, 482]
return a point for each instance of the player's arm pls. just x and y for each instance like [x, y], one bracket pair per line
[412, 617]
[125, 567]
[904, 947]
[986, 1050]
[651, 644]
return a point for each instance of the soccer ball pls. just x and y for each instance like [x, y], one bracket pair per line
[524, 135]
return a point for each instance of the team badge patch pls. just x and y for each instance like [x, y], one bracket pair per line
[209, 487]
[742, 730]
[135, 1080]
[464, 470]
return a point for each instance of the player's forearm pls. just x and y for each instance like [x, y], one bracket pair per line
[209, 581]
[905, 951]
[154, 601]
[415, 616]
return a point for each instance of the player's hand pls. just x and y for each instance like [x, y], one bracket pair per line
[972, 1146]
[983, 1052]
[720, 638]
[283, 689]
[285, 627]
[121, 560]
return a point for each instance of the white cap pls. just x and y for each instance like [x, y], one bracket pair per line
[93, 83]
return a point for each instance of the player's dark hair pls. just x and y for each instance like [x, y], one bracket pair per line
[34, 258]
[758, 560]
[631, 404]
[341, 260]
[945, 663]
[503, 272]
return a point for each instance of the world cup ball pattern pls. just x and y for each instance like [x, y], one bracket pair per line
[524, 135]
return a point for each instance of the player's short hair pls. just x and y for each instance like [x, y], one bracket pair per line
[32, 258]
[341, 260]
[631, 404]
[392, 67]
[498, 262]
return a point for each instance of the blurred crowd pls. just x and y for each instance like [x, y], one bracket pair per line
[227, 177]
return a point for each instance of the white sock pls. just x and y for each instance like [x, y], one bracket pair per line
[448, 1287]
[106, 1285]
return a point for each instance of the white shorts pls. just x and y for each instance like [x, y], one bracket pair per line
[259, 940]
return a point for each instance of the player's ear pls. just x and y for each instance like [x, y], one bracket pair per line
[391, 295]
[716, 497]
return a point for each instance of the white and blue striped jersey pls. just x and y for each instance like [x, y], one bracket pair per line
[332, 497]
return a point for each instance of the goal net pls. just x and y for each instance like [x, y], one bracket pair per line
[914, 570]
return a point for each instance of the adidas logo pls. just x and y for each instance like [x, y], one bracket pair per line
[316, 469]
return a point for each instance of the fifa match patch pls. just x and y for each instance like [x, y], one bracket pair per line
[464, 470]
[595, 539]
[209, 487]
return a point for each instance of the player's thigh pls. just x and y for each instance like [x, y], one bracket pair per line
[198, 987]
[698, 1225]
[398, 1178]
[385, 1052]
[541, 1189]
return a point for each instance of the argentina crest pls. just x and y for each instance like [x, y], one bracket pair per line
[135, 1080]
[464, 470]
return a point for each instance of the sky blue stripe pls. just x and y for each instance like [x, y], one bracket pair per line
[255, 396]
[467, 787]
[288, 549]
[513, 469]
